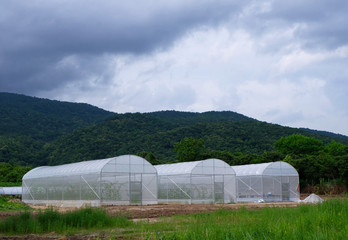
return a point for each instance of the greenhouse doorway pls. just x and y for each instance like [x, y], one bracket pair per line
[285, 192]
[135, 189]
[219, 192]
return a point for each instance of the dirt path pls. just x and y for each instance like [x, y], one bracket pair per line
[166, 210]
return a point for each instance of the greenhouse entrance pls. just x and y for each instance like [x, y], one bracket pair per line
[218, 192]
[285, 191]
[135, 189]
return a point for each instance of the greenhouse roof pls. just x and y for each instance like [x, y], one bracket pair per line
[86, 167]
[271, 168]
[214, 165]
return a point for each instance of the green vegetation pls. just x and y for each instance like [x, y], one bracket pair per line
[328, 220]
[323, 168]
[11, 174]
[51, 220]
[28, 123]
[157, 133]
[36, 132]
[8, 203]
[189, 149]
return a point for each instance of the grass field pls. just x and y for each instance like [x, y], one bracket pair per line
[328, 220]
[8, 203]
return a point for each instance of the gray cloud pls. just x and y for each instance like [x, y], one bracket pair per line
[321, 23]
[278, 61]
[39, 34]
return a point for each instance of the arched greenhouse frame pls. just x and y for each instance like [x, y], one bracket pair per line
[122, 180]
[267, 182]
[206, 181]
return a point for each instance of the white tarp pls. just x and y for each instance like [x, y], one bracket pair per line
[10, 190]
[313, 198]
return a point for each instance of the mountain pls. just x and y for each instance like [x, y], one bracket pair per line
[28, 123]
[40, 132]
[158, 131]
[44, 119]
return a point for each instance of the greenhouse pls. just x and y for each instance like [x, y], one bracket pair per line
[122, 180]
[267, 182]
[206, 181]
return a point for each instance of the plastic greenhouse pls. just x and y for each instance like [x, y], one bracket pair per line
[206, 181]
[267, 182]
[126, 179]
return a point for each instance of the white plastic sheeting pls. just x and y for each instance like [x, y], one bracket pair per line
[10, 190]
[206, 181]
[126, 179]
[313, 198]
[268, 182]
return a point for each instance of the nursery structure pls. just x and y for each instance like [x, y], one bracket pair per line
[206, 181]
[126, 179]
[267, 182]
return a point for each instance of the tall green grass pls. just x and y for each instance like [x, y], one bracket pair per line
[52, 221]
[328, 220]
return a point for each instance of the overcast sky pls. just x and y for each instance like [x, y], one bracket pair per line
[283, 62]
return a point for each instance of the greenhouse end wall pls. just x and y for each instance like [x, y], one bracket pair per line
[267, 182]
[206, 181]
[121, 180]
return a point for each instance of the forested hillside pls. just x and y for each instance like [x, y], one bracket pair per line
[39, 132]
[28, 123]
[44, 119]
[158, 132]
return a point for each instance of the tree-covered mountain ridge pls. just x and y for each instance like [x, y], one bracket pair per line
[157, 132]
[44, 119]
[72, 132]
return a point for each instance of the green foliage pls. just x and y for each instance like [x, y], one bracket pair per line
[150, 157]
[298, 144]
[328, 220]
[28, 123]
[12, 173]
[44, 119]
[336, 149]
[189, 149]
[315, 162]
[40, 132]
[8, 203]
[158, 132]
[51, 220]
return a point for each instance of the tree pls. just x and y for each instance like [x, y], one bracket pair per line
[190, 149]
[336, 149]
[298, 144]
[150, 157]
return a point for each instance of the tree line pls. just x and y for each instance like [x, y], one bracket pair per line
[321, 167]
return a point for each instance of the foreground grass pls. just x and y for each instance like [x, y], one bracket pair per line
[328, 220]
[52, 221]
